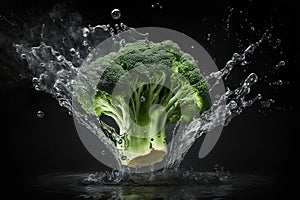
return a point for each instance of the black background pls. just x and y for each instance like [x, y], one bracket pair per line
[252, 143]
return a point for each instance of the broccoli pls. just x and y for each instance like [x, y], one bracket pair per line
[145, 86]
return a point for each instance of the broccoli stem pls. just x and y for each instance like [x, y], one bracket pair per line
[142, 121]
[146, 144]
[142, 124]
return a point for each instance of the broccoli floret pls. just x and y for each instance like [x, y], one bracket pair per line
[145, 86]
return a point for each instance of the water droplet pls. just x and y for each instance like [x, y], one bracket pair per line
[103, 152]
[123, 26]
[111, 30]
[267, 103]
[84, 43]
[72, 51]
[35, 80]
[216, 167]
[252, 28]
[59, 58]
[143, 99]
[232, 104]
[152, 6]
[279, 82]
[269, 37]
[115, 13]
[244, 63]
[208, 37]
[105, 28]
[251, 79]
[85, 32]
[40, 114]
[280, 64]
[277, 43]
[259, 96]
[23, 55]
[192, 47]
[236, 57]
[123, 157]
[152, 139]
[42, 64]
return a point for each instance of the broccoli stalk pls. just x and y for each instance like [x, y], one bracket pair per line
[144, 87]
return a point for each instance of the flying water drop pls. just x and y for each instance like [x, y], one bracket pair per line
[116, 14]
[280, 64]
[85, 32]
[267, 103]
[143, 99]
[23, 56]
[40, 114]
[123, 157]
[232, 104]
[72, 51]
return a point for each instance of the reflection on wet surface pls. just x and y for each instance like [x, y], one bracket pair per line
[173, 185]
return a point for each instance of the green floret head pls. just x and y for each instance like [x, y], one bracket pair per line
[157, 84]
[111, 77]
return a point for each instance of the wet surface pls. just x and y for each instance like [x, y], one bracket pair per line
[206, 186]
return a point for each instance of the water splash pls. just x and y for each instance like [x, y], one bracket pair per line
[54, 65]
[158, 185]
[162, 177]
[55, 74]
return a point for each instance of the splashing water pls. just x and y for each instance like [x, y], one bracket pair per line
[55, 72]
[54, 66]
[167, 184]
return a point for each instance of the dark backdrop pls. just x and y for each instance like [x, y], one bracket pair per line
[253, 142]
